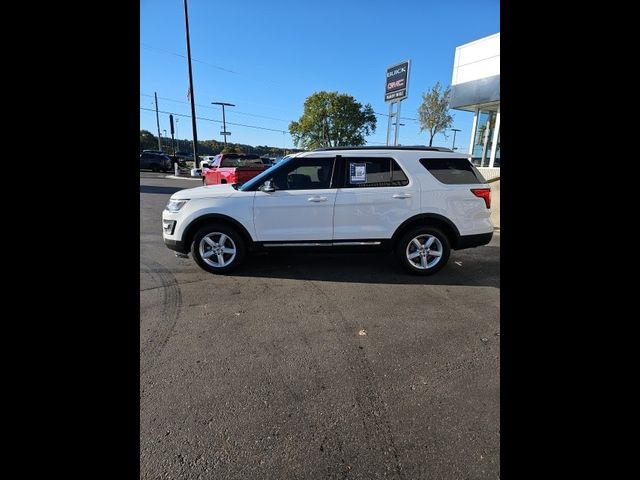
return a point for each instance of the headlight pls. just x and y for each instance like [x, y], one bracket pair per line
[175, 205]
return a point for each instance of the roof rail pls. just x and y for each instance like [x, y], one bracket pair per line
[383, 147]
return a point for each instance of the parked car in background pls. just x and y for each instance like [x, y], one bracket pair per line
[155, 161]
[205, 162]
[232, 168]
[268, 161]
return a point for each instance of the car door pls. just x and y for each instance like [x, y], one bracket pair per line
[301, 207]
[374, 197]
[147, 160]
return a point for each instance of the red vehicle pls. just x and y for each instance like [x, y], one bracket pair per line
[232, 168]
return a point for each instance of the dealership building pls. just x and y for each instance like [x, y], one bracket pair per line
[475, 87]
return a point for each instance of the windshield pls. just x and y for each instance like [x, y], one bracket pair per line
[264, 175]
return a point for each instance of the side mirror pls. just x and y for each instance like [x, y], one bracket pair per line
[268, 187]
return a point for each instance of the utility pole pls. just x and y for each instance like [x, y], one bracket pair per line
[455, 130]
[191, 92]
[158, 122]
[224, 132]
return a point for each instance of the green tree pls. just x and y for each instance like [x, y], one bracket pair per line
[148, 141]
[434, 111]
[331, 119]
[231, 149]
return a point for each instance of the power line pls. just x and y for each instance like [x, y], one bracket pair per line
[217, 109]
[149, 47]
[259, 79]
[401, 118]
[253, 114]
[216, 121]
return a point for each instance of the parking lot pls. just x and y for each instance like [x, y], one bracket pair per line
[315, 366]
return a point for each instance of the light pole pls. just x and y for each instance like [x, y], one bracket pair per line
[224, 132]
[177, 135]
[165, 133]
[455, 130]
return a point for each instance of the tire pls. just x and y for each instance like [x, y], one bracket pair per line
[154, 167]
[231, 258]
[435, 256]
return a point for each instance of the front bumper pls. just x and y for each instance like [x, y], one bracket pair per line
[175, 245]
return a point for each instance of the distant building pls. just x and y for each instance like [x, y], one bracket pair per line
[475, 87]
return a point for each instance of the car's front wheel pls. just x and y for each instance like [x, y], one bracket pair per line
[423, 250]
[217, 248]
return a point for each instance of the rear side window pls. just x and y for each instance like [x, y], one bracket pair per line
[373, 172]
[453, 171]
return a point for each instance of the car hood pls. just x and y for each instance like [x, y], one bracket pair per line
[209, 191]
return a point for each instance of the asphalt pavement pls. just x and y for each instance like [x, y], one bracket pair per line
[315, 366]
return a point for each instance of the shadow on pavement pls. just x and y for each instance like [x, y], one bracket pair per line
[163, 190]
[475, 267]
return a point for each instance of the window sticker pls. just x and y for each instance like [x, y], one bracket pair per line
[358, 172]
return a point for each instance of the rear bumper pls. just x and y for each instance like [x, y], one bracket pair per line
[470, 241]
[175, 245]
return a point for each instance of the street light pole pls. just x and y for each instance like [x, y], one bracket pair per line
[455, 130]
[177, 134]
[173, 139]
[165, 133]
[224, 122]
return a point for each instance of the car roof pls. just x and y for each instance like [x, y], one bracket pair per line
[392, 147]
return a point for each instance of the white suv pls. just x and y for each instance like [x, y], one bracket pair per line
[419, 201]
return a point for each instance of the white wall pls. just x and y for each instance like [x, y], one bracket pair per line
[476, 60]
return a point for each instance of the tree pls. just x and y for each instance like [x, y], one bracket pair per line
[331, 119]
[231, 148]
[148, 141]
[434, 111]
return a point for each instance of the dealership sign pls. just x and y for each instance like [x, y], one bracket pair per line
[397, 82]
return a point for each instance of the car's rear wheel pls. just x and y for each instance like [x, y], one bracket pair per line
[423, 250]
[217, 248]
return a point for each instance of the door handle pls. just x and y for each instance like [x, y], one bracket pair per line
[317, 199]
[402, 195]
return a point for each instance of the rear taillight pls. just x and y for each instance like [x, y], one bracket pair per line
[484, 193]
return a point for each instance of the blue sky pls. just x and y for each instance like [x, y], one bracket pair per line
[267, 57]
